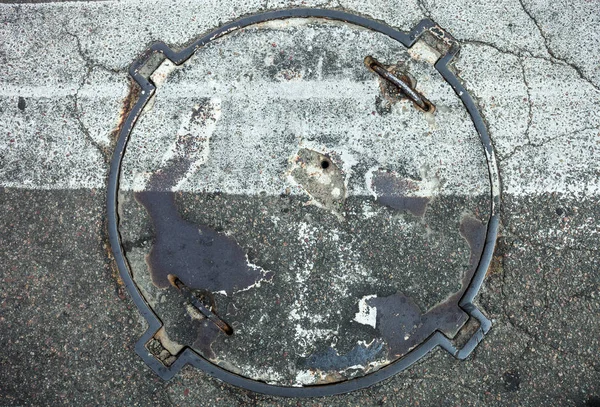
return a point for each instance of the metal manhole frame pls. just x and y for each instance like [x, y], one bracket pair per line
[190, 357]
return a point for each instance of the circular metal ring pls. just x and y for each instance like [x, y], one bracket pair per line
[188, 356]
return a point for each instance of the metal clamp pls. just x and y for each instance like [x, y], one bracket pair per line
[187, 292]
[419, 100]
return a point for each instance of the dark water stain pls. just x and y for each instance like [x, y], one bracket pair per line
[392, 191]
[400, 321]
[329, 360]
[207, 334]
[403, 326]
[199, 256]
[474, 232]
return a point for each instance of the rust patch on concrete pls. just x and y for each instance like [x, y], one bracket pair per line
[128, 102]
[127, 105]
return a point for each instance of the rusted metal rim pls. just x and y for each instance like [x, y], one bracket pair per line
[189, 356]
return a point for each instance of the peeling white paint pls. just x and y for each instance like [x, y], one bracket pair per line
[246, 151]
[366, 314]
[258, 282]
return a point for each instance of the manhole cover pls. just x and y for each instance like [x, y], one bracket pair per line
[287, 218]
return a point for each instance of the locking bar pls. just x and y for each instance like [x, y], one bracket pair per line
[406, 88]
[189, 295]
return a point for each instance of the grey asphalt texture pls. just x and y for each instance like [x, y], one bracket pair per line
[68, 326]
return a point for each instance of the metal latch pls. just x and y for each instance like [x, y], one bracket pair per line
[419, 100]
[189, 294]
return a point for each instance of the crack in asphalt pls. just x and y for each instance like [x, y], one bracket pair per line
[89, 61]
[551, 52]
[84, 130]
[511, 321]
[521, 59]
[529, 103]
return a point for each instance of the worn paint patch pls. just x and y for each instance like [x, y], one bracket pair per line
[359, 358]
[401, 322]
[366, 314]
[422, 51]
[207, 333]
[188, 152]
[474, 232]
[398, 319]
[160, 75]
[200, 256]
[400, 193]
[319, 177]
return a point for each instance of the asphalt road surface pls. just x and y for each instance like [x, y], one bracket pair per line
[68, 326]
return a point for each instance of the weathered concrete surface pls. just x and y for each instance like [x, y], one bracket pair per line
[533, 69]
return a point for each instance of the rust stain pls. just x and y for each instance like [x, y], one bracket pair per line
[496, 266]
[128, 102]
[440, 34]
[391, 92]
[115, 274]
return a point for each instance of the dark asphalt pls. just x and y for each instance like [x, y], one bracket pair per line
[67, 328]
